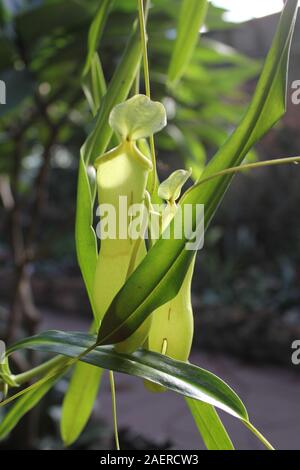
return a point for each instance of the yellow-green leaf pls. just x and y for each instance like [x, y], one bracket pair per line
[191, 17]
[79, 401]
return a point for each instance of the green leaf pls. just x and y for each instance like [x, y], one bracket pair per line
[191, 18]
[23, 405]
[118, 89]
[93, 80]
[138, 118]
[85, 380]
[96, 31]
[160, 275]
[210, 426]
[93, 84]
[79, 401]
[266, 108]
[180, 377]
[117, 92]
[86, 242]
[94, 87]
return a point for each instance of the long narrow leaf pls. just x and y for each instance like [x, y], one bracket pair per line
[93, 84]
[210, 426]
[85, 380]
[23, 405]
[117, 92]
[86, 242]
[191, 18]
[79, 401]
[93, 81]
[96, 31]
[160, 275]
[183, 378]
[267, 107]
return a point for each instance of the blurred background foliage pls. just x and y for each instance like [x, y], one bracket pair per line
[246, 290]
[43, 46]
[46, 118]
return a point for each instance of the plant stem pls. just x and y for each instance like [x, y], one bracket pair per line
[41, 369]
[66, 364]
[114, 407]
[137, 82]
[144, 45]
[241, 168]
[251, 166]
[264, 441]
[40, 382]
[143, 30]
